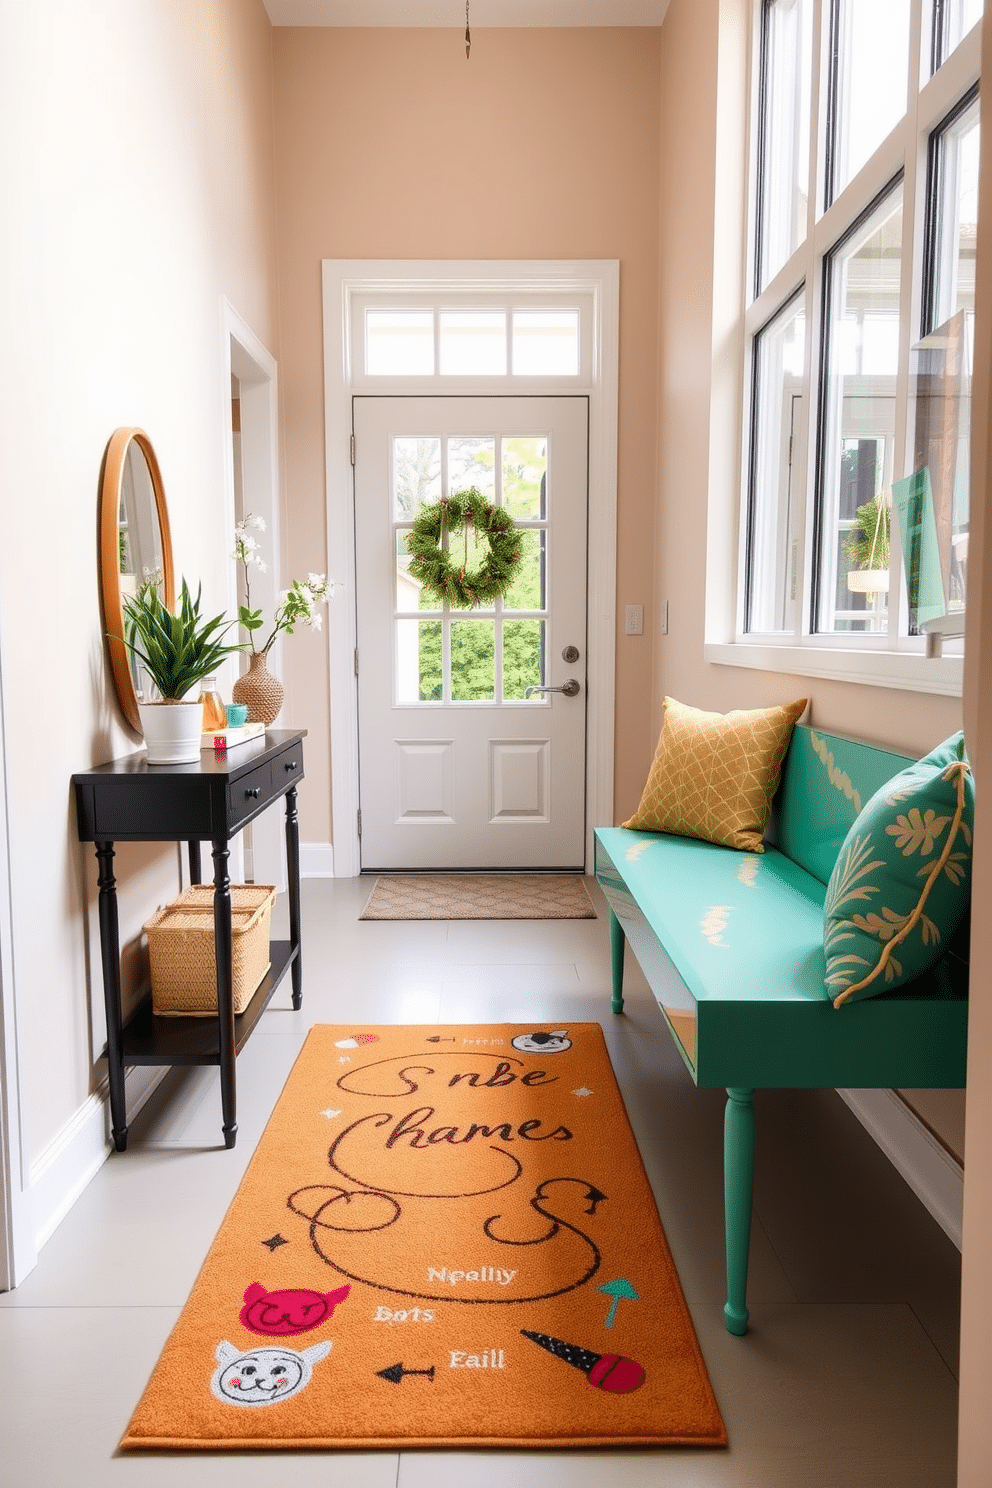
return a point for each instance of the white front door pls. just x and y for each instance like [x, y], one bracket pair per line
[458, 767]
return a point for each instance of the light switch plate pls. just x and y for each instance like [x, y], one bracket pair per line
[634, 620]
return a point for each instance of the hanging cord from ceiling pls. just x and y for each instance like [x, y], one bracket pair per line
[468, 32]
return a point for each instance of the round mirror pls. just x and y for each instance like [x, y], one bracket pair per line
[135, 546]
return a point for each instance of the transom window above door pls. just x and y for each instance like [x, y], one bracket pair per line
[472, 337]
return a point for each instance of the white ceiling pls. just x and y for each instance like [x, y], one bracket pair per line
[452, 12]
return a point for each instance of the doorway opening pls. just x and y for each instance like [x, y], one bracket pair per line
[552, 329]
[253, 466]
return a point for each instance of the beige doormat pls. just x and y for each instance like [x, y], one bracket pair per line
[479, 896]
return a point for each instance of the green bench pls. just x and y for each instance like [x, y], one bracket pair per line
[731, 945]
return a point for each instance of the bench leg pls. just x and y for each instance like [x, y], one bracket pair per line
[738, 1189]
[617, 943]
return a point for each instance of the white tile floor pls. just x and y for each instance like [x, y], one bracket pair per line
[847, 1378]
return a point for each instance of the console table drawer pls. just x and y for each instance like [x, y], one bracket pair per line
[249, 794]
[287, 768]
[253, 791]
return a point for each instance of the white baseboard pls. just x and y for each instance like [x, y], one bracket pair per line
[316, 860]
[72, 1158]
[931, 1172]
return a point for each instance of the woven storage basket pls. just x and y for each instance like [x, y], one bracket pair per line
[181, 949]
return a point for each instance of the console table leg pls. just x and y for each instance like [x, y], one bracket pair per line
[110, 953]
[738, 1186]
[293, 883]
[618, 942]
[195, 876]
[225, 996]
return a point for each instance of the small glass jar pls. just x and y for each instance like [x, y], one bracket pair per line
[214, 712]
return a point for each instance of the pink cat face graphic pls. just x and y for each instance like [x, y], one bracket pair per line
[292, 1310]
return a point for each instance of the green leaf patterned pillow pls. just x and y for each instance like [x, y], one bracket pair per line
[902, 880]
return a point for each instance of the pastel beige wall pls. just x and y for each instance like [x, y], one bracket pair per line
[136, 169]
[391, 145]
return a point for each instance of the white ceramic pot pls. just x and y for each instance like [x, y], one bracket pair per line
[868, 581]
[172, 731]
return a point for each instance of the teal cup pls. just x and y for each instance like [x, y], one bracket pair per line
[237, 714]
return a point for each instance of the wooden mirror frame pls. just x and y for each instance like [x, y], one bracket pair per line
[111, 480]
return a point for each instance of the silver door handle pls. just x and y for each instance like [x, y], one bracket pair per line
[569, 688]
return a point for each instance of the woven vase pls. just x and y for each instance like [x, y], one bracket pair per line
[262, 691]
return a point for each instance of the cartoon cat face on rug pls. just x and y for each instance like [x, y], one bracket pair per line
[543, 1043]
[265, 1375]
[292, 1310]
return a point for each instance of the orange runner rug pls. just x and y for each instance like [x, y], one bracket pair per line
[446, 1238]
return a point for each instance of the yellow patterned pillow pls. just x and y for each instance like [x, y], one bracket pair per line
[714, 774]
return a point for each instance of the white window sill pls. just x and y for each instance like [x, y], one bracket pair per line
[908, 671]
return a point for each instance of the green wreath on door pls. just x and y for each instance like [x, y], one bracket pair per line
[434, 560]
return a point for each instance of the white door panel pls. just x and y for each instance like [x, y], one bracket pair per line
[458, 768]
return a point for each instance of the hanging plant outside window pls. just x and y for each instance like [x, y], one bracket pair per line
[866, 545]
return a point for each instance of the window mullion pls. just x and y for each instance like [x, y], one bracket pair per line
[938, 29]
[830, 38]
[807, 469]
[819, 112]
[910, 318]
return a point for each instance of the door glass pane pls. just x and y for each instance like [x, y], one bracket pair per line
[472, 462]
[784, 158]
[528, 589]
[473, 661]
[525, 478]
[523, 658]
[399, 343]
[773, 535]
[416, 475]
[410, 595]
[419, 677]
[859, 417]
[473, 343]
[870, 92]
[545, 343]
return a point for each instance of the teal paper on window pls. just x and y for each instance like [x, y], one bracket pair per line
[913, 501]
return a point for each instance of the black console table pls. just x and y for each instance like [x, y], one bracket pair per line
[129, 800]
